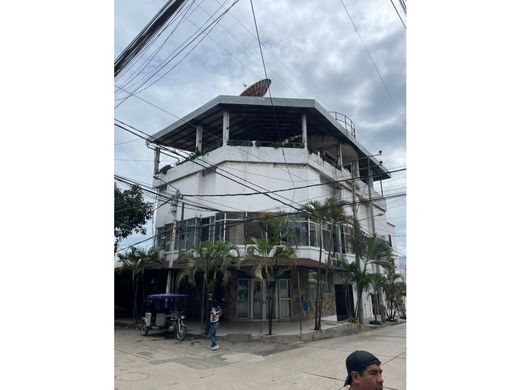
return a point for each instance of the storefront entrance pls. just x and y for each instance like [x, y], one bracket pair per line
[252, 300]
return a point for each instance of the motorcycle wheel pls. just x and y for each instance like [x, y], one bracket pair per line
[143, 328]
[181, 332]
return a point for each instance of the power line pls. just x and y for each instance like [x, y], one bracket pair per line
[397, 12]
[127, 142]
[373, 63]
[189, 122]
[287, 189]
[142, 67]
[274, 55]
[246, 220]
[246, 48]
[171, 56]
[165, 63]
[210, 27]
[403, 5]
[205, 200]
[209, 134]
[229, 53]
[258, 174]
[145, 35]
[215, 171]
[219, 173]
[150, 44]
[344, 204]
[269, 91]
[235, 223]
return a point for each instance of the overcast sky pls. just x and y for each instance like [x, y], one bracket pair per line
[462, 108]
[311, 49]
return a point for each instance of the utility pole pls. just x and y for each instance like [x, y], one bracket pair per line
[370, 204]
[175, 202]
[378, 291]
[356, 174]
[150, 30]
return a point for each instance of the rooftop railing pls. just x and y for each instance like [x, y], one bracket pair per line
[344, 121]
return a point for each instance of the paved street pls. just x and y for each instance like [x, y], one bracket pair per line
[156, 363]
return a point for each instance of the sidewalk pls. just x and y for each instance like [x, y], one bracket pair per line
[282, 331]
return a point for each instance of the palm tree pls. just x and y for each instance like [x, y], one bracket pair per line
[368, 250]
[276, 225]
[331, 211]
[394, 289]
[316, 213]
[136, 260]
[265, 252]
[352, 275]
[378, 282]
[401, 293]
[336, 216]
[212, 260]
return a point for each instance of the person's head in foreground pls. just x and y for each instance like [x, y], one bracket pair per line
[364, 371]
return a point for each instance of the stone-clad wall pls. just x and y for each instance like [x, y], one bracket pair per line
[308, 304]
[302, 302]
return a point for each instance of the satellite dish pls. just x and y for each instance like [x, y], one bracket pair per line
[257, 89]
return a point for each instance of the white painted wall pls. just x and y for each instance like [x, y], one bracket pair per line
[267, 168]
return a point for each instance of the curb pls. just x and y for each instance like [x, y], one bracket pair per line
[340, 330]
[121, 324]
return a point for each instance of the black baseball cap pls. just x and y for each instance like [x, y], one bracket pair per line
[358, 361]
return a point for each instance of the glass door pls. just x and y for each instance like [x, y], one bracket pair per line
[243, 299]
[258, 300]
[284, 299]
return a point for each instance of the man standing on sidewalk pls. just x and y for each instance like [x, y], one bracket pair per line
[364, 372]
[214, 317]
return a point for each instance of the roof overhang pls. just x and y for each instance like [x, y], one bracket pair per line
[261, 119]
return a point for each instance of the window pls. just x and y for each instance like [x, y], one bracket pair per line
[326, 236]
[191, 232]
[298, 232]
[187, 234]
[163, 238]
[314, 239]
[235, 228]
[253, 226]
[219, 227]
[207, 229]
[336, 238]
[344, 239]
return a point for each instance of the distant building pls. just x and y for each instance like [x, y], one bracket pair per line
[275, 144]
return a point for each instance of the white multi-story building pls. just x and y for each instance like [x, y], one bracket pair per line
[245, 145]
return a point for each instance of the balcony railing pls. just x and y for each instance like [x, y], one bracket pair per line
[249, 143]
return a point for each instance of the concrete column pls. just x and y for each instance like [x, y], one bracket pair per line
[225, 128]
[340, 156]
[198, 139]
[156, 160]
[304, 129]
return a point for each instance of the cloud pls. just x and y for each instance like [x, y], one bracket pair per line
[311, 50]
